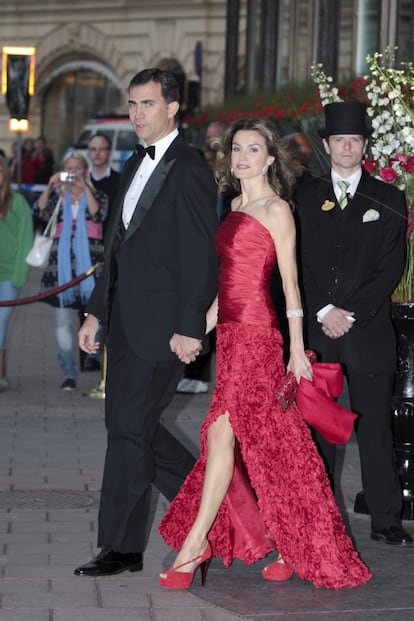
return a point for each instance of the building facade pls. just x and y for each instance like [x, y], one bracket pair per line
[87, 51]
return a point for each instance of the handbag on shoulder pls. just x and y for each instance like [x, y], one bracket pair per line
[42, 244]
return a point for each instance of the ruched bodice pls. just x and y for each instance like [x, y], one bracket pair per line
[247, 257]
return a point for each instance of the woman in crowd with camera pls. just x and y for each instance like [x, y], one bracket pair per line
[16, 238]
[77, 245]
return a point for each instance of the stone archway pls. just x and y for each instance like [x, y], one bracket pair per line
[77, 92]
[80, 75]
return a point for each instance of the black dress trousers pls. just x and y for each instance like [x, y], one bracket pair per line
[140, 451]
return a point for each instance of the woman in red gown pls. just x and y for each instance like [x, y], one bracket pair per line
[259, 484]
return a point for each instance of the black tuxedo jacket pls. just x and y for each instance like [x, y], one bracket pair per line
[165, 264]
[353, 259]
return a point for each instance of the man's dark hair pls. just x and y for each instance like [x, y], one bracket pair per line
[169, 86]
[102, 135]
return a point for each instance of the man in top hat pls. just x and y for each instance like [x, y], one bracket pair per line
[351, 236]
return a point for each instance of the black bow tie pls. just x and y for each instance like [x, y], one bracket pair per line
[141, 151]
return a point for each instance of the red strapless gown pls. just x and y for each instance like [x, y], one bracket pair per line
[279, 496]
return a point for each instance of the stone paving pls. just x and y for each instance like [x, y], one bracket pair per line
[51, 456]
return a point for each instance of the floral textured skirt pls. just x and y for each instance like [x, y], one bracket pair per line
[279, 497]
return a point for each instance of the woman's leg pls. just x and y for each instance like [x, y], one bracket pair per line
[7, 292]
[2, 363]
[217, 478]
[64, 339]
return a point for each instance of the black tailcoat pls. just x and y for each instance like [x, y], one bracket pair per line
[353, 259]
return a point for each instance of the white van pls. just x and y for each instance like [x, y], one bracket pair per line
[119, 131]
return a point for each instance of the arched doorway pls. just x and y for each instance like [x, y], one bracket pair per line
[73, 94]
[79, 90]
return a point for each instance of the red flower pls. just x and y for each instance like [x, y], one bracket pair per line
[369, 165]
[199, 119]
[357, 88]
[388, 174]
[409, 164]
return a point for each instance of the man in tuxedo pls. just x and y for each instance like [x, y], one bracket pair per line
[351, 235]
[159, 277]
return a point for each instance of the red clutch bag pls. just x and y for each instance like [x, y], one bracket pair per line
[316, 400]
[286, 391]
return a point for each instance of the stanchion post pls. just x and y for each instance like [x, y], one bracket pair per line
[99, 391]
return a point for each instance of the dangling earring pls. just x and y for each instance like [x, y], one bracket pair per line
[265, 169]
[232, 171]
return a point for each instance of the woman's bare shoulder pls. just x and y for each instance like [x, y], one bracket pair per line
[276, 208]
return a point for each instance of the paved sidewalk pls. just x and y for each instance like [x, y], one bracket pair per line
[51, 456]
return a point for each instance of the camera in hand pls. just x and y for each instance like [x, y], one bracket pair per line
[67, 177]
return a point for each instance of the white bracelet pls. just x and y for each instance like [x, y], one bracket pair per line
[297, 312]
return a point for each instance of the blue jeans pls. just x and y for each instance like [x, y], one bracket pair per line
[7, 292]
[65, 342]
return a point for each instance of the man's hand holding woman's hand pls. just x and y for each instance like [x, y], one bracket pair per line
[186, 348]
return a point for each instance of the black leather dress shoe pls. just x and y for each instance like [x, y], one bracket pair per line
[110, 562]
[394, 535]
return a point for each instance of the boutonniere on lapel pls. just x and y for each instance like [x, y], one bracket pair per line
[327, 205]
[370, 216]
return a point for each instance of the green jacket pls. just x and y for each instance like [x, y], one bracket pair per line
[16, 239]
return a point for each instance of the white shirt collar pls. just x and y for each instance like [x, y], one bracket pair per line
[143, 173]
[162, 145]
[353, 181]
[106, 173]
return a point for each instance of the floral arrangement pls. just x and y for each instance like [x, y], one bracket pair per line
[389, 95]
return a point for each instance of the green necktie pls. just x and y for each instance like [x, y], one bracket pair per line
[343, 199]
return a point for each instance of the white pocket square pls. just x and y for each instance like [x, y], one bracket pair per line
[370, 216]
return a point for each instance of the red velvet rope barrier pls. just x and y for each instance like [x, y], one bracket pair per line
[54, 291]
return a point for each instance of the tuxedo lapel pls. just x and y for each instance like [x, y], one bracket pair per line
[356, 205]
[361, 201]
[325, 192]
[131, 168]
[325, 195]
[149, 193]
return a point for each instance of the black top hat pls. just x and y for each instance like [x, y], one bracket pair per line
[345, 117]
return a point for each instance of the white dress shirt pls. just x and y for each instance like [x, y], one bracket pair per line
[353, 181]
[142, 175]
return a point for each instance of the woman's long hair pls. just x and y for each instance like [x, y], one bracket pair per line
[78, 156]
[5, 189]
[281, 174]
